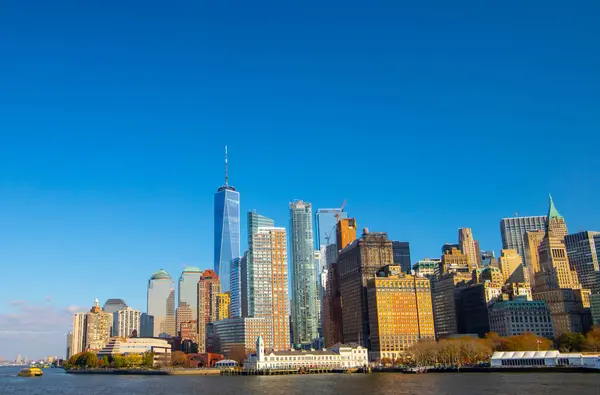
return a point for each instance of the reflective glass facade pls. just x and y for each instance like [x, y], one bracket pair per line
[255, 221]
[227, 233]
[161, 303]
[188, 289]
[325, 226]
[235, 291]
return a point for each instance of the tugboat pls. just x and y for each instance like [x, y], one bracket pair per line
[30, 372]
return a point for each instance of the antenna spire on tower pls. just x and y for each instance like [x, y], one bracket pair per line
[226, 169]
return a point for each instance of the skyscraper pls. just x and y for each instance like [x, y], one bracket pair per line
[188, 287]
[98, 326]
[468, 246]
[345, 232]
[512, 267]
[113, 305]
[227, 229]
[208, 289]
[244, 285]
[533, 239]
[514, 231]
[255, 221]
[304, 284]
[183, 315]
[78, 334]
[161, 303]
[270, 283]
[401, 250]
[326, 219]
[235, 293]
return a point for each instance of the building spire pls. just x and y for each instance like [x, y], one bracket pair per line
[226, 169]
[552, 211]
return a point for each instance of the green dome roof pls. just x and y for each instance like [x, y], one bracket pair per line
[192, 269]
[161, 274]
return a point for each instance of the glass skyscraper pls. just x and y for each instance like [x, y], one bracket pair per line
[326, 220]
[188, 289]
[161, 303]
[514, 231]
[255, 221]
[227, 230]
[304, 283]
[235, 291]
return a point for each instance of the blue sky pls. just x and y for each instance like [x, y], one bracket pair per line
[427, 118]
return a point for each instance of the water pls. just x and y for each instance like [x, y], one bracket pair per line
[55, 381]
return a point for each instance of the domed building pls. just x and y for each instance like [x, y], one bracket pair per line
[161, 303]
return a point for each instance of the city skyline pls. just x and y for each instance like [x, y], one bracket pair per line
[112, 144]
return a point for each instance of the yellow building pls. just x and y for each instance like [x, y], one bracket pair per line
[454, 261]
[532, 257]
[512, 267]
[223, 302]
[345, 232]
[400, 312]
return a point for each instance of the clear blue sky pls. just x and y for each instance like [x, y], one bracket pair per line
[427, 118]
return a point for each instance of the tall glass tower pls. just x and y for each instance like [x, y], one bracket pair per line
[227, 229]
[161, 303]
[188, 289]
[326, 220]
[304, 282]
[255, 221]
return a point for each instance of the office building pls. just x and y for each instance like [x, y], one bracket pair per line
[488, 258]
[468, 247]
[78, 334]
[235, 337]
[345, 233]
[187, 289]
[227, 229]
[255, 221]
[445, 291]
[472, 304]
[126, 323]
[326, 220]
[595, 308]
[454, 261]
[208, 289]
[161, 303]
[244, 292]
[583, 257]
[270, 283]
[223, 305]
[146, 325]
[429, 268]
[518, 290]
[304, 282]
[489, 274]
[400, 312]
[184, 315]
[113, 305]
[533, 240]
[401, 251]
[514, 231]
[357, 263]
[235, 293]
[511, 264]
[518, 316]
[98, 327]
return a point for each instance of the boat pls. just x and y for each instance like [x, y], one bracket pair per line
[30, 372]
[415, 370]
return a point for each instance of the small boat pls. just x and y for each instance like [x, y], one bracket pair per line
[30, 372]
[415, 370]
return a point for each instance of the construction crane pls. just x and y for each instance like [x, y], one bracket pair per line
[337, 216]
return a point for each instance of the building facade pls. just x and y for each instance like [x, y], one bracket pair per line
[146, 325]
[208, 289]
[445, 292]
[533, 240]
[518, 316]
[467, 246]
[234, 337]
[400, 312]
[325, 221]
[429, 268]
[126, 323]
[304, 281]
[78, 334]
[183, 315]
[113, 305]
[235, 293]
[244, 292]
[454, 261]
[187, 289]
[128, 346]
[513, 270]
[223, 306]
[161, 303]
[98, 328]
[472, 305]
[345, 233]
[583, 257]
[401, 251]
[514, 231]
[255, 221]
[227, 229]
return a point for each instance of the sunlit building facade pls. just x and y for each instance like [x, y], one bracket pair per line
[161, 303]
[188, 287]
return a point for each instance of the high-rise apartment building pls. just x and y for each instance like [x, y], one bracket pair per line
[161, 303]
[223, 305]
[357, 263]
[126, 323]
[98, 327]
[326, 220]
[445, 292]
[582, 252]
[227, 229]
[514, 231]
[511, 264]
[208, 289]
[454, 261]
[270, 283]
[400, 312]
[78, 334]
[304, 282]
[235, 293]
[183, 315]
[255, 221]
[401, 251]
[188, 288]
[468, 246]
[345, 233]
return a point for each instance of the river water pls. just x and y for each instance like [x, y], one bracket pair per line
[56, 381]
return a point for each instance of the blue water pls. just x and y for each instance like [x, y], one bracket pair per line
[56, 381]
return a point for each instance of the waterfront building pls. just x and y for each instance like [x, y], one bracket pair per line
[113, 305]
[227, 229]
[126, 322]
[78, 340]
[339, 356]
[138, 345]
[582, 252]
[557, 284]
[467, 246]
[183, 314]
[326, 220]
[255, 221]
[514, 231]
[270, 283]
[533, 240]
[400, 312]
[98, 327]
[512, 267]
[445, 292]
[188, 288]
[223, 305]
[472, 306]
[429, 268]
[235, 293]
[454, 261]
[146, 325]
[551, 358]
[234, 337]
[161, 303]
[518, 316]
[208, 289]
[345, 233]
[304, 282]
[244, 292]
[357, 263]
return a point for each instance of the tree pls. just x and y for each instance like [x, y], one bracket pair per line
[178, 358]
[570, 341]
[148, 359]
[119, 361]
[386, 361]
[133, 360]
[592, 340]
[86, 360]
[524, 342]
[105, 362]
